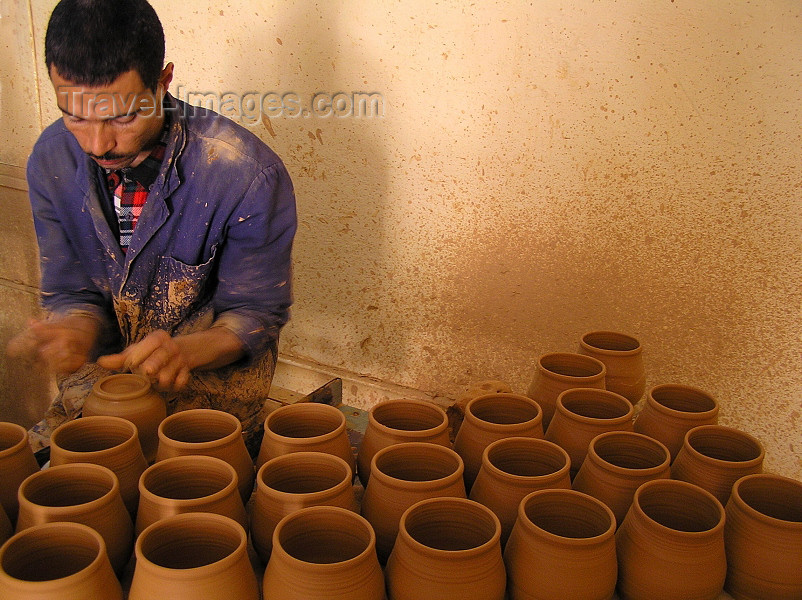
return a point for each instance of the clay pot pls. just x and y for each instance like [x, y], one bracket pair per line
[447, 549]
[617, 464]
[208, 432]
[80, 493]
[584, 413]
[493, 417]
[64, 561]
[394, 421]
[562, 546]
[403, 474]
[456, 411]
[131, 397]
[111, 442]
[192, 556]
[514, 467]
[671, 544]
[325, 553]
[6, 528]
[306, 427]
[186, 484]
[670, 411]
[763, 538]
[622, 355]
[16, 463]
[294, 481]
[560, 371]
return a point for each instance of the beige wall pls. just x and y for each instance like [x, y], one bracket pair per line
[541, 169]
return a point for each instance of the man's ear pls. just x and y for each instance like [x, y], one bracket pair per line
[166, 77]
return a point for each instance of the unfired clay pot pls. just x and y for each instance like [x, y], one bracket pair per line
[6, 529]
[714, 457]
[562, 546]
[191, 557]
[325, 553]
[131, 397]
[514, 467]
[57, 561]
[209, 433]
[111, 442]
[447, 549]
[290, 482]
[493, 417]
[617, 464]
[671, 410]
[80, 493]
[671, 544]
[403, 474]
[763, 537]
[187, 484]
[622, 355]
[456, 411]
[584, 413]
[16, 463]
[402, 420]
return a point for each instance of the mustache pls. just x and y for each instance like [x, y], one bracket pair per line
[108, 156]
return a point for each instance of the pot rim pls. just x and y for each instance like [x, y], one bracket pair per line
[688, 447]
[606, 395]
[232, 486]
[19, 444]
[686, 415]
[576, 357]
[743, 505]
[373, 420]
[54, 471]
[309, 407]
[523, 440]
[589, 346]
[302, 456]
[484, 424]
[719, 526]
[568, 494]
[228, 438]
[100, 420]
[594, 456]
[388, 479]
[143, 388]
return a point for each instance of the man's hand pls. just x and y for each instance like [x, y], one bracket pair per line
[63, 344]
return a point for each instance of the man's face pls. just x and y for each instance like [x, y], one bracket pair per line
[115, 124]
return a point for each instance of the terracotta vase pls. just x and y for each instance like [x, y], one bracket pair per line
[562, 546]
[16, 463]
[294, 481]
[6, 528]
[306, 427]
[111, 442]
[456, 411]
[57, 561]
[714, 457]
[131, 397]
[560, 371]
[80, 493]
[193, 556]
[188, 484]
[403, 474]
[447, 549]
[763, 538]
[493, 417]
[325, 553]
[208, 432]
[671, 544]
[617, 464]
[622, 356]
[394, 421]
[584, 413]
[671, 410]
[514, 467]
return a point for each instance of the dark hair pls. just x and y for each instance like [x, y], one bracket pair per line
[93, 42]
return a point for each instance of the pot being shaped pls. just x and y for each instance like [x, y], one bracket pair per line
[6, 529]
[189, 484]
[131, 397]
[617, 464]
[622, 356]
[562, 546]
[714, 457]
[514, 467]
[80, 493]
[403, 474]
[290, 482]
[401, 420]
[560, 371]
[111, 442]
[493, 417]
[193, 556]
[671, 410]
[16, 463]
[60, 560]
[671, 544]
[325, 553]
[306, 427]
[763, 538]
[584, 413]
[207, 432]
[447, 549]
